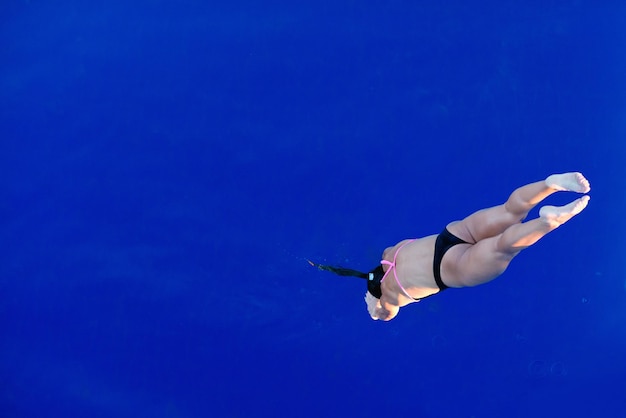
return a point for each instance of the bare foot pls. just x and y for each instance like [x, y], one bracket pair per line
[571, 182]
[558, 215]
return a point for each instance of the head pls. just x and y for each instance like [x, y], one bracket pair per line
[374, 278]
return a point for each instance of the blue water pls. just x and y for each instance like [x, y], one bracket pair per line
[168, 167]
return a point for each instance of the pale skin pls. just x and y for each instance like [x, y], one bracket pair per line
[494, 235]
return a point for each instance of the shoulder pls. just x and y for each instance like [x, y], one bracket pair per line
[388, 310]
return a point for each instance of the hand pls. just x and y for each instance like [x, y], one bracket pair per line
[373, 305]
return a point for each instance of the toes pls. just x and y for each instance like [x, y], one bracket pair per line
[583, 182]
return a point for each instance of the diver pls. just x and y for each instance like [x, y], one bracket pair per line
[467, 253]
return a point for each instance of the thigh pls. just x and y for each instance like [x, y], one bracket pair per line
[470, 265]
[485, 223]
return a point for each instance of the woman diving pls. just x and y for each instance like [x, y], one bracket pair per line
[469, 252]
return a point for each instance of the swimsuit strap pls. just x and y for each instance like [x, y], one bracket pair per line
[392, 266]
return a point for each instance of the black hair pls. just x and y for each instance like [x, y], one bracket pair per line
[373, 277]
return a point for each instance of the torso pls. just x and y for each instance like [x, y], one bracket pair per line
[414, 267]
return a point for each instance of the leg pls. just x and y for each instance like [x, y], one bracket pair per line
[482, 262]
[494, 221]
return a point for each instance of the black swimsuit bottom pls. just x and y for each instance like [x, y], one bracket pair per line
[444, 242]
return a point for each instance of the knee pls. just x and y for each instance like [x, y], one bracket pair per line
[517, 208]
[503, 251]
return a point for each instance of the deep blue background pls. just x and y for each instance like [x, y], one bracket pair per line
[168, 167]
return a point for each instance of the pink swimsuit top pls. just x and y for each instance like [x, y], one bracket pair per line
[392, 266]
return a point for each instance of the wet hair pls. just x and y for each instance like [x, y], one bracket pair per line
[373, 277]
